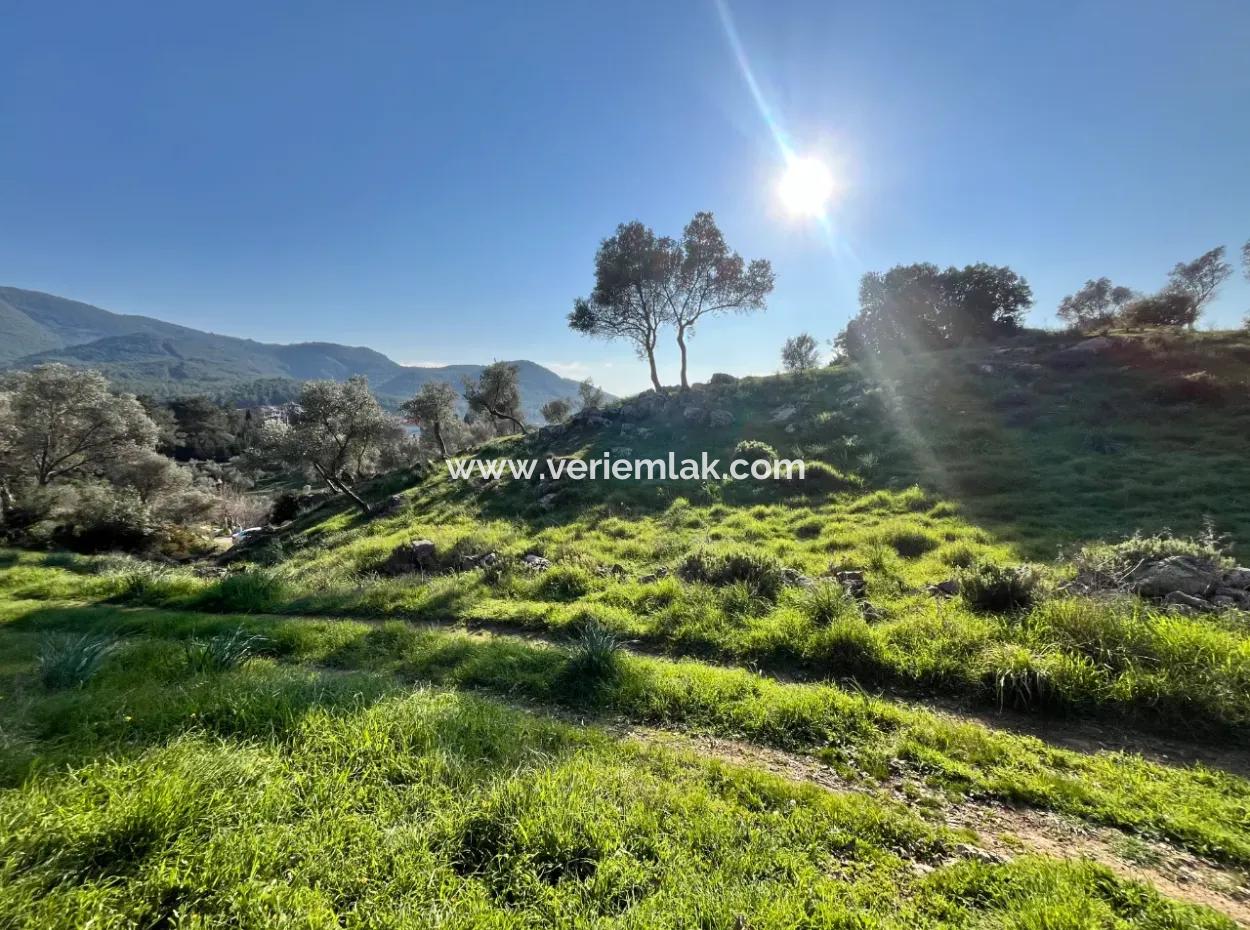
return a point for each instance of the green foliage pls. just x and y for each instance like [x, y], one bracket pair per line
[990, 588]
[221, 653]
[253, 590]
[69, 661]
[763, 574]
[752, 450]
[594, 659]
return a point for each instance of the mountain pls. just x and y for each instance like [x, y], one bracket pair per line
[150, 356]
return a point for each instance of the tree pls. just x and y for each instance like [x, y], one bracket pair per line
[338, 424]
[495, 393]
[65, 423]
[558, 410]
[1245, 258]
[800, 353]
[433, 408]
[1096, 304]
[629, 300]
[1201, 278]
[590, 395]
[707, 278]
[1167, 308]
[919, 306]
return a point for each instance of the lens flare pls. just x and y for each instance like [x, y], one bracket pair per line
[806, 187]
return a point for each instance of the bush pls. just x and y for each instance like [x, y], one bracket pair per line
[998, 589]
[243, 592]
[1199, 387]
[563, 583]
[285, 507]
[827, 602]
[72, 661]
[819, 478]
[1170, 308]
[752, 450]
[762, 573]
[221, 653]
[1105, 565]
[105, 518]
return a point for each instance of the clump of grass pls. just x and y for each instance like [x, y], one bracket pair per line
[595, 658]
[752, 450]
[248, 591]
[819, 478]
[910, 543]
[221, 653]
[761, 572]
[1108, 564]
[72, 661]
[1019, 678]
[564, 583]
[827, 602]
[991, 588]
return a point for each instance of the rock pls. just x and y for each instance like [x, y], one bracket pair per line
[694, 414]
[782, 414]
[656, 575]
[968, 851]
[485, 560]
[1236, 594]
[1181, 599]
[947, 588]
[721, 378]
[1224, 602]
[547, 501]
[610, 571]
[418, 555]
[1175, 573]
[871, 612]
[389, 507]
[853, 583]
[1083, 351]
[795, 577]
[535, 562]
[720, 418]
[1237, 578]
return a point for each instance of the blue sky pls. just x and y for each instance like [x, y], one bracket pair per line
[432, 180]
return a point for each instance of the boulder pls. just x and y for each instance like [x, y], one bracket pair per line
[782, 414]
[720, 418]
[1181, 599]
[947, 588]
[1178, 573]
[535, 562]
[853, 583]
[721, 378]
[694, 414]
[795, 577]
[1239, 577]
[486, 559]
[418, 555]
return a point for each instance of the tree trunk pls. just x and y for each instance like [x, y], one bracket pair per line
[438, 434]
[681, 343]
[509, 417]
[337, 485]
[655, 377]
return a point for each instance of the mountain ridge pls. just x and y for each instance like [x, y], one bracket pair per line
[151, 356]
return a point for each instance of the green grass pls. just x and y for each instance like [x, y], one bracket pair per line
[864, 738]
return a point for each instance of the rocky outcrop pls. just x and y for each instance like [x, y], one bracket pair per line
[417, 555]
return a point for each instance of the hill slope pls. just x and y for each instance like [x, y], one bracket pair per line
[146, 355]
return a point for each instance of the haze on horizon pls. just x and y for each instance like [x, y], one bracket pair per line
[433, 183]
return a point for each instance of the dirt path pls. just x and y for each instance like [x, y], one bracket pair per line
[1002, 832]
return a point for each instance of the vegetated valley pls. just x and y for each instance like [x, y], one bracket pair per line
[988, 664]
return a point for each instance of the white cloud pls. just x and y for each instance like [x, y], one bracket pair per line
[425, 364]
[575, 370]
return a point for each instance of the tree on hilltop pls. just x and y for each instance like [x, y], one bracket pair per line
[800, 353]
[557, 410]
[1096, 304]
[709, 278]
[1201, 278]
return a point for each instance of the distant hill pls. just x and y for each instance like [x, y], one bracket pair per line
[150, 356]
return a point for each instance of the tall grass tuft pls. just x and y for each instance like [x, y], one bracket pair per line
[222, 653]
[993, 588]
[595, 658]
[72, 661]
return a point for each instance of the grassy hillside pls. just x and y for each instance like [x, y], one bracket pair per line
[282, 744]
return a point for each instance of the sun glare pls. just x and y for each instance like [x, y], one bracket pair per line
[806, 187]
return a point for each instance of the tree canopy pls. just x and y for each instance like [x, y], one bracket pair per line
[1201, 278]
[800, 353]
[495, 393]
[433, 408]
[1097, 303]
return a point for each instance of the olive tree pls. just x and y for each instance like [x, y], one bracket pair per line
[495, 392]
[434, 409]
[1201, 278]
[1097, 303]
[557, 410]
[63, 423]
[337, 425]
[590, 395]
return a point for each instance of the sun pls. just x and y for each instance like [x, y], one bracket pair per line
[806, 187]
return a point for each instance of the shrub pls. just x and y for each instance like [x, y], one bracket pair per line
[285, 507]
[1105, 565]
[1198, 387]
[1018, 678]
[819, 478]
[221, 653]
[752, 450]
[761, 572]
[998, 589]
[72, 661]
[106, 518]
[1169, 308]
[244, 592]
